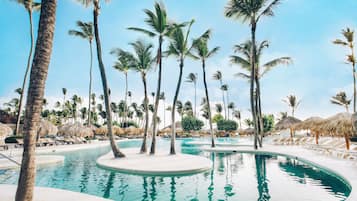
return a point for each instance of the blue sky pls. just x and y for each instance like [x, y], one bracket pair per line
[301, 29]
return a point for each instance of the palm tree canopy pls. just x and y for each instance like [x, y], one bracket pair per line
[156, 20]
[219, 108]
[30, 5]
[124, 60]
[192, 78]
[292, 101]
[88, 3]
[85, 30]
[244, 60]
[143, 59]
[200, 46]
[162, 96]
[217, 75]
[231, 105]
[179, 40]
[348, 35]
[224, 87]
[340, 99]
[245, 10]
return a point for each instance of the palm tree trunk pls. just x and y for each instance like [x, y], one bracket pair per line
[35, 95]
[252, 99]
[18, 119]
[164, 114]
[113, 144]
[195, 98]
[143, 146]
[354, 88]
[227, 104]
[259, 113]
[208, 103]
[224, 102]
[173, 123]
[126, 98]
[90, 84]
[158, 91]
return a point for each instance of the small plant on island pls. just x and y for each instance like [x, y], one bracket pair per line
[190, 123]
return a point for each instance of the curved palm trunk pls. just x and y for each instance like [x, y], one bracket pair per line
[224, 102]
[158, 91]
[259, 113]
[90, 85]
[208, 103]
[35, 96]
[173, 123]
[354, 88]
[18, 118]
[195, 98]
[143, 145]
[227, 104]
[253, 72]
[113, 144]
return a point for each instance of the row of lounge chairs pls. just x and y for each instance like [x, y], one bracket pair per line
[335, 147]
[54, 141]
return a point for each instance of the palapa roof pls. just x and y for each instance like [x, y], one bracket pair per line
[338, 124]
[5, 130]
[75, 129]
[287, 123]
[308, 123]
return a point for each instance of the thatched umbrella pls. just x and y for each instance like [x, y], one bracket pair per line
[47, 128]
[247, 131]
[5, 130]
[308, 123]
[75, 129]
[287, 123]
[338, 125]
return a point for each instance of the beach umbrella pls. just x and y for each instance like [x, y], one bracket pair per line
[5, 130]
[75, 129]
[287, 123]
[47, 128]
[340, 125]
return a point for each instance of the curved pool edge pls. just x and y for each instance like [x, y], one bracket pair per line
[344, 170]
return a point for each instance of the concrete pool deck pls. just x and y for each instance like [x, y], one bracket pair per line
[345, 169]
[41, 160]
[161, 163]
[7, 193]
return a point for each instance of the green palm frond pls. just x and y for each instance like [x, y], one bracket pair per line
[275, 62]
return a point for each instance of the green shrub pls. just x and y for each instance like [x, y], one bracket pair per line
[190, 123]
[217, 118]
[12, 139]
[227, 125]
[268, 122]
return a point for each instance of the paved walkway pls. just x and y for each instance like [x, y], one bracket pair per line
[159, 164]
[7, 193]
[346, 169]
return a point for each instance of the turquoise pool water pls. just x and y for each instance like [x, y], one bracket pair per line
[236, 177]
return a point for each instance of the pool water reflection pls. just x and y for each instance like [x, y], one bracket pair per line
[241, 177]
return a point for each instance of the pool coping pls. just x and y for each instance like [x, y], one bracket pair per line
[344, 170]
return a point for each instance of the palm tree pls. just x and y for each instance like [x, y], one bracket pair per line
[202, 53]
[219, 108]
[218, 76]
[292, 102]
[123, 65]
[38, 76]
[180, 48]
[251, 11]
[96, 10]
[348, 34]
[163, 98]
[230, 106]
[237, 114]
[192, 78]
[341, 99]
[30, 6]
[158, 22]
[86, 32]
[244, 61]
[224, 89]
[142, 63]
[179, 108]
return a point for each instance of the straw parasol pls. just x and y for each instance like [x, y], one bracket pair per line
[338, 125]
[287, 123]
[247, 131]
[308, 123]
[47, 128]
[75, 129]
[5, 130]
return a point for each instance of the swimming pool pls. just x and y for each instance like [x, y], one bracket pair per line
[239, 176]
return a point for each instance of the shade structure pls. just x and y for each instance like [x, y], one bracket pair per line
[287, 123]
[5, 130]
[308, 123]
[47, 128]
[75, 129]
[104, 130]
[247, 131]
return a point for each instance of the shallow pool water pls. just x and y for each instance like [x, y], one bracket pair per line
[238, 177]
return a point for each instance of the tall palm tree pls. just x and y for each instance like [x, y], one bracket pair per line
[251, 11]
[341, 99]
[142, 63]
[180, 48]
[35, 97]
[96, 10]
[158, 22]
[30, 6]
[123, 64]
[219, 77]
[237, 115]
[219, 108]
[292, 102]
[224, 89]
[86, 32]
[163, 98]
[202, 52]
[244, 61]
[231, 106]
[192, 78]
[348, 42]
